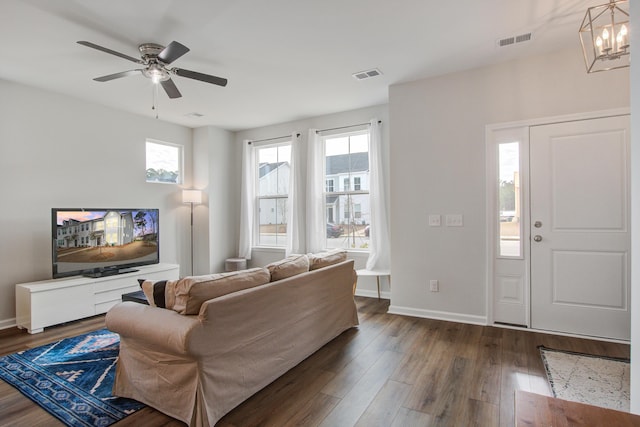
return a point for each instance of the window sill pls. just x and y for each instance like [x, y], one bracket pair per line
[357, 252]
[268, 248]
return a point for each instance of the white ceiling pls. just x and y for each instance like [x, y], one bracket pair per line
[285, 59]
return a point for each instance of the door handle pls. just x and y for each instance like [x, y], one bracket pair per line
[537, 224]
[537, 238]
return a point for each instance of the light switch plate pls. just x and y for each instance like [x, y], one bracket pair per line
[454, 220]
[434, 220]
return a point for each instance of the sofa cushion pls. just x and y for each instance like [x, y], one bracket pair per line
[159, 293]
[324, 259]
[290, 266]
[191, 292]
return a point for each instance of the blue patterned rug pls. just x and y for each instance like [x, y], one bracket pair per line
[71, 379]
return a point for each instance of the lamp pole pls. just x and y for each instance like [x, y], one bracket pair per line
[192, 197]
[191, 203]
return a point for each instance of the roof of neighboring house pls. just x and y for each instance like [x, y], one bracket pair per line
[331, 199]
[265, 168]
[340, 164]
[359, 162]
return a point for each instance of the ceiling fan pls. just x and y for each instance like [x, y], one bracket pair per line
[155, 59]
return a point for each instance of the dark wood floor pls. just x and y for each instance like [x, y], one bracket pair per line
[537, 410]
[390, 371]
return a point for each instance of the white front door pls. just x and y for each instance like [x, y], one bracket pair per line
[579, 227]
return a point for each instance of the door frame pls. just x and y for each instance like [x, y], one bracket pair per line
[491, 164]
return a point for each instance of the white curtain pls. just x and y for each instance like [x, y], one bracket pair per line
[379, 253]
[247, 201]
[316, 228]
[295, 200]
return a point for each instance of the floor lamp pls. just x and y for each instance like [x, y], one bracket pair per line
[193, 197]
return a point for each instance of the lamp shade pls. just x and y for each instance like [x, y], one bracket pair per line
[192, 196]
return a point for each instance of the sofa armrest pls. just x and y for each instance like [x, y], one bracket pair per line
[159, 328]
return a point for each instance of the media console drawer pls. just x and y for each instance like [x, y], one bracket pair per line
[50, 302]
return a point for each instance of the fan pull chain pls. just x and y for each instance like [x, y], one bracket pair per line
[154, 107]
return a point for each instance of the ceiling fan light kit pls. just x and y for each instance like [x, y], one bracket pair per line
[155, 59]
[156, 73]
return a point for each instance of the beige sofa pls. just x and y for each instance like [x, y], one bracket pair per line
[198, 367]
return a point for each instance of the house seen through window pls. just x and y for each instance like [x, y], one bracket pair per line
[164, 162]
[347, 208]
[272, 193]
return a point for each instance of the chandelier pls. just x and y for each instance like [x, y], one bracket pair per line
[605, 36]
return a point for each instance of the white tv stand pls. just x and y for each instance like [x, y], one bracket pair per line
[50, 302]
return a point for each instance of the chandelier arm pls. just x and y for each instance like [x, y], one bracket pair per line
[593, 18]
[621, 11]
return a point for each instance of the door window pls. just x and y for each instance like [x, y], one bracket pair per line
[510, 230]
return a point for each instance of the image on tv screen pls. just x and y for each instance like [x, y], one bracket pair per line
[94, 239]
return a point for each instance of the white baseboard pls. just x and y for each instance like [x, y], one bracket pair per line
[372, 294]
[561, 334]
[7, 323]
[438, 315]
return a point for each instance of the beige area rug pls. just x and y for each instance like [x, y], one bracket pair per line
[585, 378]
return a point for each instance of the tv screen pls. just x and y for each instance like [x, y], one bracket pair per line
[101, 242]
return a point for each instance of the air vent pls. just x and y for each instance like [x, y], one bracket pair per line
[508, 41]
[194, 115]
[362, 75]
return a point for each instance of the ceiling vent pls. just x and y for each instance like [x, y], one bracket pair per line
[508, 41]
[194, 115]
[363, 75]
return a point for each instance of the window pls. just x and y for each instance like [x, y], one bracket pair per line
[509, 199]
[329, 186]
[164, 162]
[356, 183]
[272, 193]
[347, 155]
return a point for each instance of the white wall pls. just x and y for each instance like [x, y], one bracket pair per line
[438, 167]
[216, 163]
[57, 151]
[635, 217]
[260, 257]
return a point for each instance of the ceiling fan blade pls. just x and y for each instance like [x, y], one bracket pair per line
[170, 87]
[199, 76]
[116, 75]
[172, 52]
[112, 52]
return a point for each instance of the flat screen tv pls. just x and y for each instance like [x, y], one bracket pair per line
[103, 242]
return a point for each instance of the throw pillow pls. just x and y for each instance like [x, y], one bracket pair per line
[159, 293]
[290, 266]
[324, 259]
[192, 292]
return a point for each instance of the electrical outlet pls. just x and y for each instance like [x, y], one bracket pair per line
[434, 220]
[433, 286]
